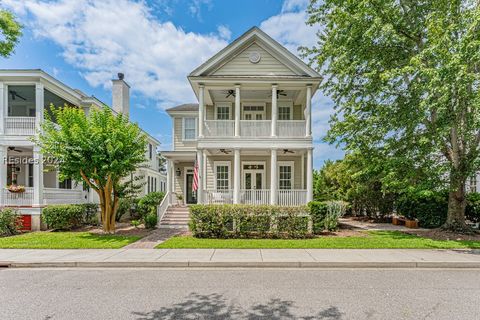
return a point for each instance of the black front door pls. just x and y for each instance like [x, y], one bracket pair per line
[191, 195]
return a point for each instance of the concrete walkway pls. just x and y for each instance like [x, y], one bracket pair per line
[155, 238]
[284, 258]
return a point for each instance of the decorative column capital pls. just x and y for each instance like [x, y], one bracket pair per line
[238, 85]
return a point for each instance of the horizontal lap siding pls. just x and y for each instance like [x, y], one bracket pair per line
[178, 142]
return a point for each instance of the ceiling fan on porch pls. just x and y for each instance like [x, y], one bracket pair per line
[15, 95]
[285, 151]
[280, 93]
[14, 149]
[225, 151]
[229, 93]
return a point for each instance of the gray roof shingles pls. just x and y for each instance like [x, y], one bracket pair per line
[185, 107]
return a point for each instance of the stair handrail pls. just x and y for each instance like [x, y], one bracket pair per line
[162, 207]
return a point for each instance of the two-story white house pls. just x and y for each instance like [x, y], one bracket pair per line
[251, 130]
[25, 96]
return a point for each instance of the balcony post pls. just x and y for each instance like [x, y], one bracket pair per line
[274, 110]
[37, 176]
[3, 107]
[39, 106]
[237, 110]
[3, 172]
[273, 177]
[308, 112]
[200, 176]
[309, 175]
[236, 176]
[201, 107]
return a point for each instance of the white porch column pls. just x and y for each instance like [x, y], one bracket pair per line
[308, 112]
[237, 110]
[236, 176]
[169, 176]
[201, 111]
[39, 105]
[274, 110]
[309, 175]
[201, 176]
[3, 107]
[3, 171]
[37, 176]
[273, 177]
[204, 156]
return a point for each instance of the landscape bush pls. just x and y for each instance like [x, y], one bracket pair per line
[151, 220]
[10, 223]
[325, 214]
[127, 206]
[472, 210]
[246, 221]
[149, 203]
[428, 207]
[69, 216]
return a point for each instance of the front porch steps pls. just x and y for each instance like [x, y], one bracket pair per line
[176, 217]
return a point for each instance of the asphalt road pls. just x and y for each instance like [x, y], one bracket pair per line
[239, 294]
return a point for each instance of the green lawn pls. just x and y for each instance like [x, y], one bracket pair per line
[374, 240]
[66, 240]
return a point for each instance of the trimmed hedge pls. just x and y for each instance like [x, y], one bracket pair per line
[245, 221]
[428, 207]
[69, 216]
[10, 223]
[149, 203]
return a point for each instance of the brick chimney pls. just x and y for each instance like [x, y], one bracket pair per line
[121, 95]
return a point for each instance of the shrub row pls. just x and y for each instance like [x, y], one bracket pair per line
[325, 214]
[428, 207]
[10, 222]
[242, 221]
[69, 216]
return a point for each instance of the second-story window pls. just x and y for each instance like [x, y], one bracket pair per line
[150, 150]
[284, 113]
[21, 101]
[223, 112]
[189, 128]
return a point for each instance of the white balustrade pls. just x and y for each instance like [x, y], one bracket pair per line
[62, 196]
[291, 198]
[291, 128]
[255, 128]
[21, 126]
[219, 128]
[162, 208]
[218, 196]
[17, 199]
[255, 197]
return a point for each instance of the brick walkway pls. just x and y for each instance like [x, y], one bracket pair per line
[155, 238]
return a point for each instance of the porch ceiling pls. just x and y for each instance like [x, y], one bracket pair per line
[254, 152]
[259, 95]
[180, 156]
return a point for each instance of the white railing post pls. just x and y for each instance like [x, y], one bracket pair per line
[308, 112]
[39, 106]
[3, 173]
[201, 107]
[237, 110]
[274, 110]
[309, 175]
[200, 176]
[236, 176]
[273, 176]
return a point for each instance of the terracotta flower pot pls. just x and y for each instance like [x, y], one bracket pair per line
[413, 224]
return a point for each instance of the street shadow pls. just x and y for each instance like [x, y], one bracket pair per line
[215, 306]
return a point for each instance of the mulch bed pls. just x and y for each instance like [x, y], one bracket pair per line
[122, 228]
[438, 234]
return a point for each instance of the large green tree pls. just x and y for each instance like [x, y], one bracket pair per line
[404, 76]
[99, 148]
[10, 31]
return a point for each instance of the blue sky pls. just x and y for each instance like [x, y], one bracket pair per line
[156, 44]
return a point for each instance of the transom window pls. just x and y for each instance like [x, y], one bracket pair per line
[284, 113]
[222, 176]
[253, 108]
[253, 167]
[189, 128]
[285, 176]
[223, 112]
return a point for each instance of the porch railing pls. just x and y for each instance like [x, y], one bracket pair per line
[62, 196]
[255, 128]
[21, 126]
[162, 208]
[291, 198]
[291, 128]
[255, 197]
[219, 128]
[17, 199]
[218, 196]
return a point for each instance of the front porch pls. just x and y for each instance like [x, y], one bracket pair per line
[242, 176]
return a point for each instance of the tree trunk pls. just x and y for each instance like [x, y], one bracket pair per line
[456, 205]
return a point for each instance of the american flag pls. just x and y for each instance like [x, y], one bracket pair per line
[195, 176]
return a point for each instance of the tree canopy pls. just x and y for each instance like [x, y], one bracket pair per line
[99, 148]
[10, 33]
[404, 76]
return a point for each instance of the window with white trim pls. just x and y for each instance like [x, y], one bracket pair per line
[222, 175]
[285, 177]
[284, 113]
[189, 128]
[223, 112]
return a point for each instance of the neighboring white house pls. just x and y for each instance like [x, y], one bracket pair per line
[25, 96]
[251, 131]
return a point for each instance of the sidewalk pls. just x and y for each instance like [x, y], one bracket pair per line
[281, 258]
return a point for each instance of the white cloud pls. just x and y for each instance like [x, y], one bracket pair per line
[224, 32]
[196, 7]
[101, 38]
[294, 5]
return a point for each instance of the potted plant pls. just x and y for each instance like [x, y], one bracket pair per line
[14, 188]
[179, 199]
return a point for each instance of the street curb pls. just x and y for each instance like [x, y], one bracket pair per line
[245, 264]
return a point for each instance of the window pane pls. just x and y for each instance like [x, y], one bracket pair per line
[222, 177]
[189, 129]
[284, 113]
[285, 177]
[223, 113]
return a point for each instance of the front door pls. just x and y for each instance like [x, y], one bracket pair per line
[253, 179]
[253, 112]
[191, 197]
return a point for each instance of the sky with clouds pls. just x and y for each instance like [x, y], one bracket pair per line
[156, 43]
